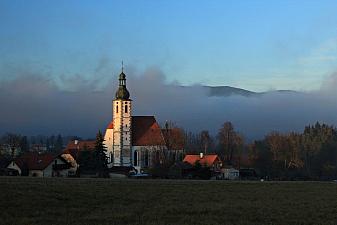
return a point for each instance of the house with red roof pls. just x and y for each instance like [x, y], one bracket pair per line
[75, 147]
[136, 141]
[212, 161]
[43, 165]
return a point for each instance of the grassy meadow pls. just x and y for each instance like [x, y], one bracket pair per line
[45, 201]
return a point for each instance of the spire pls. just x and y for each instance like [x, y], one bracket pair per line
[122, 92]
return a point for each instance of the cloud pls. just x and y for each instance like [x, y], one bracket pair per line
[326, 52]
[34, 104]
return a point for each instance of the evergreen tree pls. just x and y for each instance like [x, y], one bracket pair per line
[101, 161]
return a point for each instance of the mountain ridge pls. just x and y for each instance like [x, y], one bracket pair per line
[225, 91]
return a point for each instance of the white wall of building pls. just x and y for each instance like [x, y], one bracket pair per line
[13, 165]
[118, 139]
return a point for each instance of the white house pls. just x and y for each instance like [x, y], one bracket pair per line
[43, 165]
[230, 174]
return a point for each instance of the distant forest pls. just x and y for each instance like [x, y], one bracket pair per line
[309, 155]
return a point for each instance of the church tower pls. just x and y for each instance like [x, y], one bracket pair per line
[118, 134]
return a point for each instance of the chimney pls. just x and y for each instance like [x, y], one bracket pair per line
[201, 155]
[76, 142]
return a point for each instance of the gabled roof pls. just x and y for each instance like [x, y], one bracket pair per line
[146, 131]
[34, 160]
[205, 160]
[90, 145]
[74, 147]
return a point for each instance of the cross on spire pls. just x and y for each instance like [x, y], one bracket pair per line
[122, 66]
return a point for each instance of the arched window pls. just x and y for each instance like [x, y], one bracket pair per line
[116, 108]
[135, 158]
[126, 108]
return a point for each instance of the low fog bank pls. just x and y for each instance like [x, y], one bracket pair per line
[33, 104]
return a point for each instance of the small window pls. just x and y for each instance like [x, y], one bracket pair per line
[117, 109]
[126, 125]
[126, 108]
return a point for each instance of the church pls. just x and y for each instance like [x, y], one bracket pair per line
[138, 141]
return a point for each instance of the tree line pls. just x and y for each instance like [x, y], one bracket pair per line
[311, 154]
[13, 145]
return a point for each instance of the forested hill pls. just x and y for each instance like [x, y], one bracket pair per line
[228, 91]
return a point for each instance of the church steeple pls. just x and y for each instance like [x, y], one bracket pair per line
[122, 92]
[119, 138]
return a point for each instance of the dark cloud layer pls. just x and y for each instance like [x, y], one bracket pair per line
[33, 104]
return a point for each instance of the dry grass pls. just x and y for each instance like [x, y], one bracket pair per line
[97, 201]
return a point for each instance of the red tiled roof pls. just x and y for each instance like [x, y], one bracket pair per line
[35, 161]
[90, 145]
[206, 159]
[111, 125]
[174, 138]
[74, 149]
[146, 131]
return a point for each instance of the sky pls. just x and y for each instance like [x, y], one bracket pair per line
[257, 45]
[59, 63]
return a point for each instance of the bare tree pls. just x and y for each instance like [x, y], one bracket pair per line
[275, 142]
[205, 140]
[12, 141]
[228, 140]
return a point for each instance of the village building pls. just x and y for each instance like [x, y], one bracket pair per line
[230, 173]
[212, 161]
[44, 165]
[76, 147]
[136, 141]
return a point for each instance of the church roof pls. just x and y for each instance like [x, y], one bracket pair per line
[111, 125]
[146, 131]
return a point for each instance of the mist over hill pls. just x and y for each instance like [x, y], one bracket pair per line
[226, 91]
[35, 104]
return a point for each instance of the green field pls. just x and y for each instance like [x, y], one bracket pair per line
[106, 201]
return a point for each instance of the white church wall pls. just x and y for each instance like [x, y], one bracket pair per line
[108, 141]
